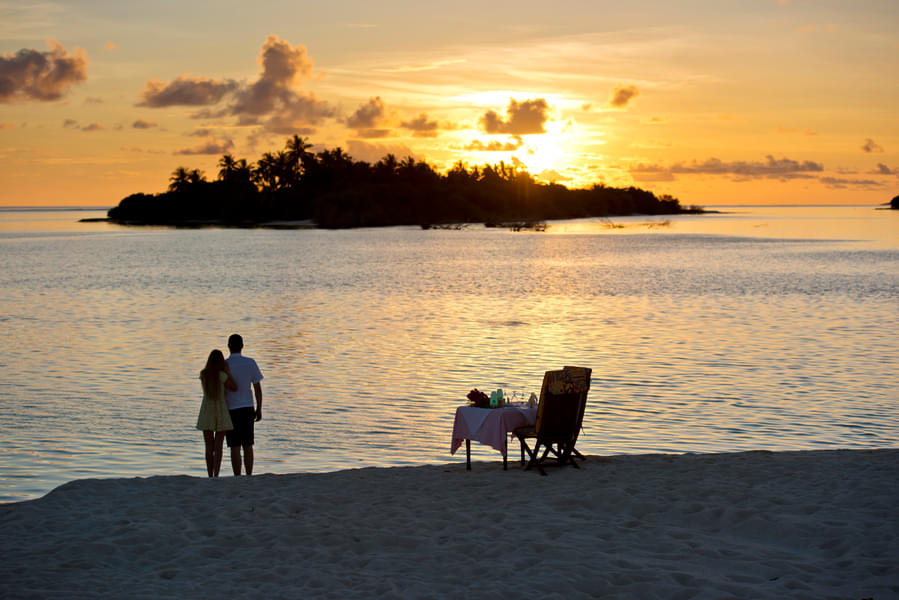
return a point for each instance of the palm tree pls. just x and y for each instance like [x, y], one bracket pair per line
[227, 167]
[273, 171]
[298, 158]
[180, 180]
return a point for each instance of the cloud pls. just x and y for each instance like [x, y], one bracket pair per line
[495, 146]
[295, 116]
[421, 127]
[622, 95]
[368, 115]
[110, 45]
[372, 153]
[552, 176]
[206, 114]
[141, 124]
[807, 131]
[211, 146]
[73, 124]
[871, 146]
[6, 126]
[41, 76]
[283, 67]
[882, 169]
[524, 118]
[93, 100]
[271, 101]
[422, 67]
[771, 168]
[367, 119]
[185, 91]
[840, 183]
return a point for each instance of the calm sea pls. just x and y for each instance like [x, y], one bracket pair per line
[756, 328]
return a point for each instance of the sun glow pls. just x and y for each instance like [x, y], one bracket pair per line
[546, 153]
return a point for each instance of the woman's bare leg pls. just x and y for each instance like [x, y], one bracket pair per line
[208, 440]
[217, 461]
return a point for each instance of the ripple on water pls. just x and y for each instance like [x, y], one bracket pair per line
[370, 339]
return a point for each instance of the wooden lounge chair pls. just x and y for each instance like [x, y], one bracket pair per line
[561, 405]
[581, 378]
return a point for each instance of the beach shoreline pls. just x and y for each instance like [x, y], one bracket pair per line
[805, 524]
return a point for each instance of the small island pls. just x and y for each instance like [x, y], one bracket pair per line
[295, 187]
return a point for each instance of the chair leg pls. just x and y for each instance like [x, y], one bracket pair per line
[533, 460]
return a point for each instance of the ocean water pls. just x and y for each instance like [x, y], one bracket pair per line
[757, 328]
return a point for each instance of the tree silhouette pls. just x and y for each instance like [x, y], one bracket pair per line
[331, 189]
[179, 180]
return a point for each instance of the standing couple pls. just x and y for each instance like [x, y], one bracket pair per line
[227, 409]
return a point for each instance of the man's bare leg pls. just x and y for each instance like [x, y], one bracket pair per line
[235, 460]
[248, 459]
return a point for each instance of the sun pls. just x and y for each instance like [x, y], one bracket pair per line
[545, 152]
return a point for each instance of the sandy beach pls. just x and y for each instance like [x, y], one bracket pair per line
[818, 524]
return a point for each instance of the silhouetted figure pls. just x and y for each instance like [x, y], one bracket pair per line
[246, 375]
[214, 419]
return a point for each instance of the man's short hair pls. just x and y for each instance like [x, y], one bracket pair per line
[235, 343]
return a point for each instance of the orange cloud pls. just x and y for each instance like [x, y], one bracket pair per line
[421, 127]
[524, 118]
[271, 95]
[73, 124]
[211, 146]
[283, 67]
[623, 94]
[871, 146]
[368, 118]
[372, 153]
[41, 76]
[882, 169]
[185, 91]
[495, 146]
[771, 168]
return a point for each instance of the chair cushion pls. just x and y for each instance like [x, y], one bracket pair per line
[525, 431]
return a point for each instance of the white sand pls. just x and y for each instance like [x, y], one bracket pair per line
[750, 525]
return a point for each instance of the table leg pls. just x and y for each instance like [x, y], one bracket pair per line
[468, 455]
[505, 453]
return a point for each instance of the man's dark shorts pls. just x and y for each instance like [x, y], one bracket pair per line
[242, 434]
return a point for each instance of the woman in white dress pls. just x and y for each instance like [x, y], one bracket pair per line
[214, 419]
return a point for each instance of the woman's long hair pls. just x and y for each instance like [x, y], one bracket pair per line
[214, 365]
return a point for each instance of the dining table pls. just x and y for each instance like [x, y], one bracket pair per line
[489, 426]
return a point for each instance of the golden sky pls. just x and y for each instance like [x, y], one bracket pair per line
[714, 102]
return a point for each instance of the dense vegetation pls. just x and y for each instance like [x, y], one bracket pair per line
[332, 190]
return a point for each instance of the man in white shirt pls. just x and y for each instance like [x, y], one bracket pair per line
[246, 374]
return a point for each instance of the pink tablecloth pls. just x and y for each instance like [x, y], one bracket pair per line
[489, 425]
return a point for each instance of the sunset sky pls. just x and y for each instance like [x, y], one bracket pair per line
[714, 102]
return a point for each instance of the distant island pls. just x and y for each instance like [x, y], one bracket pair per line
[329, 189]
